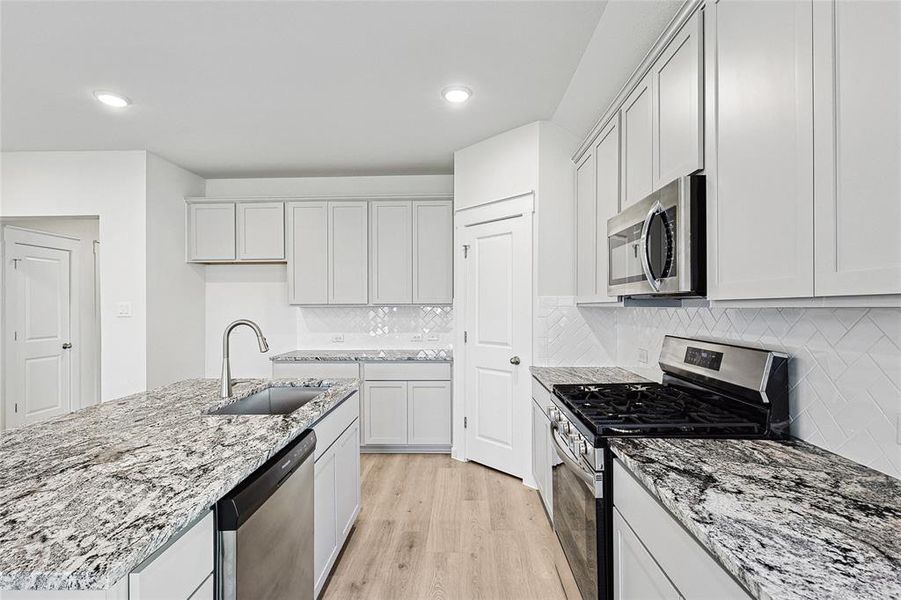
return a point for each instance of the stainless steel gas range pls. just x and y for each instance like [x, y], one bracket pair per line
[709, 390]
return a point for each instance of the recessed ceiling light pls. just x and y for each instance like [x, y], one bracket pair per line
[456, 94]
[112, 99]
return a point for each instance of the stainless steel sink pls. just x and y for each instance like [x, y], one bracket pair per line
[271, 401]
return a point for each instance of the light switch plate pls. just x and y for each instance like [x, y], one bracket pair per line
[642, 356]
[432, 337]
[123, 309]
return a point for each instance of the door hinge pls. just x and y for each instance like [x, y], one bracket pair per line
[16, 263]
[465, 250]
[15, 336]
[16, 407]
[464, 422]
[465, 336]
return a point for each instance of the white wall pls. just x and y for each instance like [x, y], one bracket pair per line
[331, 186]
[555, 217]
[110, 185]
[175, 289]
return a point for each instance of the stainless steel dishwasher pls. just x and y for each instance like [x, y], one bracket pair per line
[264, 529]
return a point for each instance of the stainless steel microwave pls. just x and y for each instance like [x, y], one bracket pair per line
[656, 246]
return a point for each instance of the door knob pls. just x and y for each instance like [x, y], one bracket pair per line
[66, 346]
[514, 360]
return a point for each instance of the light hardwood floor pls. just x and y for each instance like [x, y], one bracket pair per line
[435, 528]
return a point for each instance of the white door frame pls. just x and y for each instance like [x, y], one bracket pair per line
[523, 206]
[11, 236]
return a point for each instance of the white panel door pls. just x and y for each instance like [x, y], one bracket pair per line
[498, 276]
[677, 82]
[636, 118]
[347, 479]
[857, 116]
[211, 232]
[261, 230]
[40, 366]
[429, 413]
[433, 255]
[607, 184]
[636, 576]
[391, 247]
[308, 264]
[586, 227]
[760, 189]
[348, 249]
[385, 413]
[325, 524]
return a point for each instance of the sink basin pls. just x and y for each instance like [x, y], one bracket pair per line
[271, 401]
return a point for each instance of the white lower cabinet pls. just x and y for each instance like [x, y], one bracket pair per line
[429, 413]
[336, 495]
[385, 412]
[654, 556]
[541, 457]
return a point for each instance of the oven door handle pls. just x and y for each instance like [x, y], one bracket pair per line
[655, 210]
[574, 466]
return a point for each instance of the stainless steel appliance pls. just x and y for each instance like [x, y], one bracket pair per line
[709, 390]
[656, 246]
[264, 529]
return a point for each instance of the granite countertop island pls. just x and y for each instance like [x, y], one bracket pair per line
[372, 355]
[787, 519]
[86, 497]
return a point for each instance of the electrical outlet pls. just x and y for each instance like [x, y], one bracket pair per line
[432, 337]
[642, 356]
[416, 337]
[123, 309]
[338, 338]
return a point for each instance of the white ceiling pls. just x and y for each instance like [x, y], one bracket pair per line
[284, 88]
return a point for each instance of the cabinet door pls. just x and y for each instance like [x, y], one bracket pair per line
[857, 73]
[760, 169]
[261, 230]
[179, 569]
[348, 250]
[586, 227]
[635, 573]
[541, 466]
[325, 526]
[677, 83]
[608, 172]
[390, 232]
[308, 265]
[347, 465]
[433, 254]
[636, 118]
[385, 412]
[429, 413]
[211, 231]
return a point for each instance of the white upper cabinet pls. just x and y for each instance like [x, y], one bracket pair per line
[760, 141]
[637, 143]
[308, 265]
[211, 231]
[348, 253]
[677, 83]
[587, 231]
[390, 233]
[261, 230]
[857, 73]
[607, 185]
[433, 259]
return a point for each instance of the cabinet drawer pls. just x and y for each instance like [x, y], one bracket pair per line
[406, 371]
[179, 569]
[322, 370]
[330, 427]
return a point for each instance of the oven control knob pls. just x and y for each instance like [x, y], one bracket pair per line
[554, 414]
[582, 446]
[567, 427]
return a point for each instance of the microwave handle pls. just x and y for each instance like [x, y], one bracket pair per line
[655, 210]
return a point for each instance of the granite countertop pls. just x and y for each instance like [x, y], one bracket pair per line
[385, 354]
[786, 519]
[551, 376]
[86, 497]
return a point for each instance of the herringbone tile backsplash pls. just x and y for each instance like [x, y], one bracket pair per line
[845, 362]
[374, 326]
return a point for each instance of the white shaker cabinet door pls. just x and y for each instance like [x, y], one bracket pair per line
[636, 575]
[636, 120]
[857, 73]
[325, 525]
[677, 83]
[390, 232]
[261, 230]
[607, 184]
[429, 413]
[347, 463]
[760, 167]
[348, 253]
[433, 258]
[385, 413]
[586, 227]
[308, 263]
[211, 231]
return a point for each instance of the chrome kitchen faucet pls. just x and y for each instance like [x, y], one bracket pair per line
[225, 387]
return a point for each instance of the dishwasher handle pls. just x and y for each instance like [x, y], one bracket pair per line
[239, 504]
